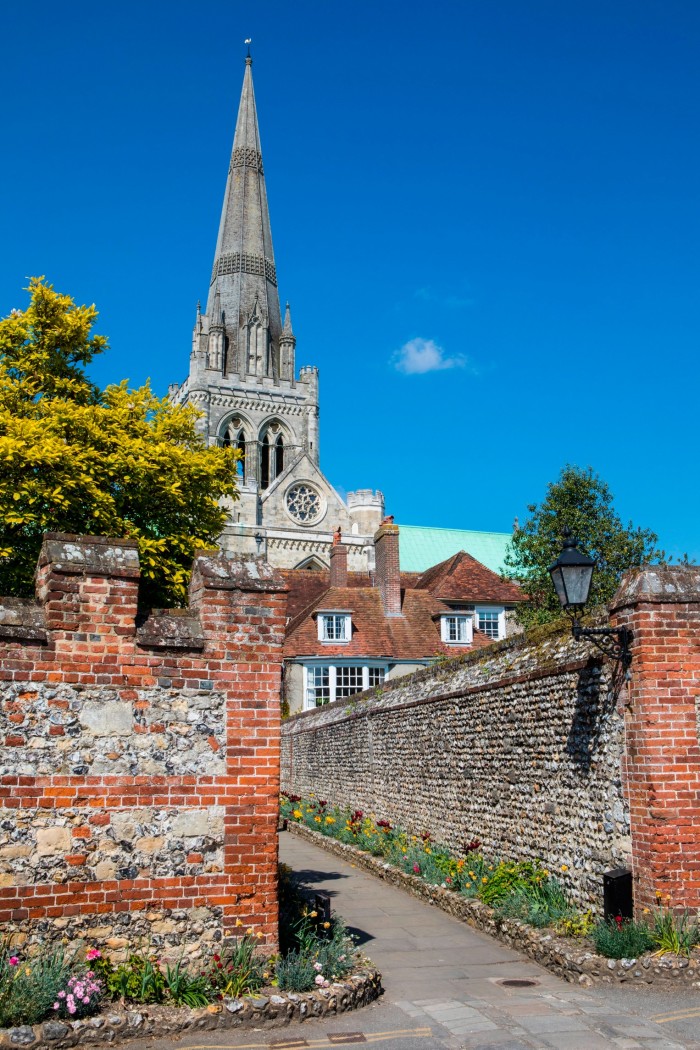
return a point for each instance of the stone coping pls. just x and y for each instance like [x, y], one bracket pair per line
[566, 957]
[268, 1009]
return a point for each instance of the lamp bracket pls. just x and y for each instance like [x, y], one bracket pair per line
[613, 641]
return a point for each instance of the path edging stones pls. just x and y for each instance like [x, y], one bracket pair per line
[270, 1010]
[561, 955]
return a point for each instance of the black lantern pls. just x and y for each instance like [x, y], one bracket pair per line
[571, 574]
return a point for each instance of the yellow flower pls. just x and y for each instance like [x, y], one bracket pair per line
[428, 849]
[326, 926]
[313, 914]
[645, 911]
[484, 879]
[317, 819]
[27, 971]
[238, 922]
[545, 873]
[330, 820]
[259, 935]
[297, 814]
[564, 867]
[472, 875]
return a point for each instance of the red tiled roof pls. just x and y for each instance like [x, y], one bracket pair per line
[463, 578]
[413, 636]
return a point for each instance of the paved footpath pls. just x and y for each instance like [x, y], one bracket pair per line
[444, 986]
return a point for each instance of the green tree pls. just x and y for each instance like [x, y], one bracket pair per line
[581, 500]
[117, 462]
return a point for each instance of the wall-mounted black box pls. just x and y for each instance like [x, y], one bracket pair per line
[617, 893]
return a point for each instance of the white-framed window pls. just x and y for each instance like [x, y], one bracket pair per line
[491, 620]
[456, 629]
[327, 682]
[334, 627]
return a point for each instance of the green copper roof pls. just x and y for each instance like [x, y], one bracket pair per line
[421, 547]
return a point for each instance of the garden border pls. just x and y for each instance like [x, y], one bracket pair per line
[560, 955]
[275, 1010]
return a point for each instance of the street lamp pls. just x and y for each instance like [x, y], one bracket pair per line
[571, 574]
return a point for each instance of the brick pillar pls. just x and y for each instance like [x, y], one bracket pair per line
[88, 584]
[386, 549]
[661, 765]
[242, 604]
[339, 565]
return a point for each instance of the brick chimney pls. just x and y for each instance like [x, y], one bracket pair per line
[386, 551]
[339, 565]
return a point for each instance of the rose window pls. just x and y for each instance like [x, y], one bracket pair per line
[303, 503]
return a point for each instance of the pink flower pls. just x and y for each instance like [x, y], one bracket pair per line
[318, 967]
[319, 979]
[416, 868]
[13, 960]
[93, 953]
[86, 998]
[57, 1006]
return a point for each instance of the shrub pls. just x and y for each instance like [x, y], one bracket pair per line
[622, 938]
[80, 998]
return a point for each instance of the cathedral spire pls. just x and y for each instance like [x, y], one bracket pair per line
[244, 262]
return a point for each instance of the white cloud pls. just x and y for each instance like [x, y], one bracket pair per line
[418, 356]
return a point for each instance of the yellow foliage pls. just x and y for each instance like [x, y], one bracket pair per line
[117, 462]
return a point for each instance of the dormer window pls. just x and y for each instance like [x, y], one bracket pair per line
[334, 627]
[491, 620]
[456, 629]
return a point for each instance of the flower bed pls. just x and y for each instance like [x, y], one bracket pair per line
[52, 997]
[573, 958]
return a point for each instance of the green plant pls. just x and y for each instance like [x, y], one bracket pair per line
[30, 986]
[538, 904]
[622, 938]
[674, 933]
[575, 925]
[139, 979]
[184, 988]
[238, 969]
[296, 972]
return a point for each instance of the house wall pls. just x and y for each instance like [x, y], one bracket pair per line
[540, 747]
[140, 757]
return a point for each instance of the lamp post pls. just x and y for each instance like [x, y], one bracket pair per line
[571, 574]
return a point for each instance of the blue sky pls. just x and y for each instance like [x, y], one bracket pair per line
[485, 216]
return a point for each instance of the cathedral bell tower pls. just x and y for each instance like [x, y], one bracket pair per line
[242, 378]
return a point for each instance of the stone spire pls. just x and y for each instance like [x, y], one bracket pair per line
[243, 276]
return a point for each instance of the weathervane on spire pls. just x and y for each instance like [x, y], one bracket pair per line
[248, 41]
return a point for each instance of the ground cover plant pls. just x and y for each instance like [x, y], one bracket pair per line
[522, 890]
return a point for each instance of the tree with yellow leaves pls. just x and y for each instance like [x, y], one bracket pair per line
[117, 462]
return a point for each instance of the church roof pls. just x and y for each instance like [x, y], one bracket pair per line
[423, 546]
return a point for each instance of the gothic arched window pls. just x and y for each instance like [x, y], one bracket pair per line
[279, 456]
[272, 447]
[265, 463]
[234, 437]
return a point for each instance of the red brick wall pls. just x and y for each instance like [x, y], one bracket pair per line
[661, 763]
[140, 769]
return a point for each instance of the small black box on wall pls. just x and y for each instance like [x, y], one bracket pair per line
[617, 893]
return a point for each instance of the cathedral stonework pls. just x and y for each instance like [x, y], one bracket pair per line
[242, 378]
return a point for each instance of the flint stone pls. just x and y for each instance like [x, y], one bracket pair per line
[24, 1035]
[53, 1030]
